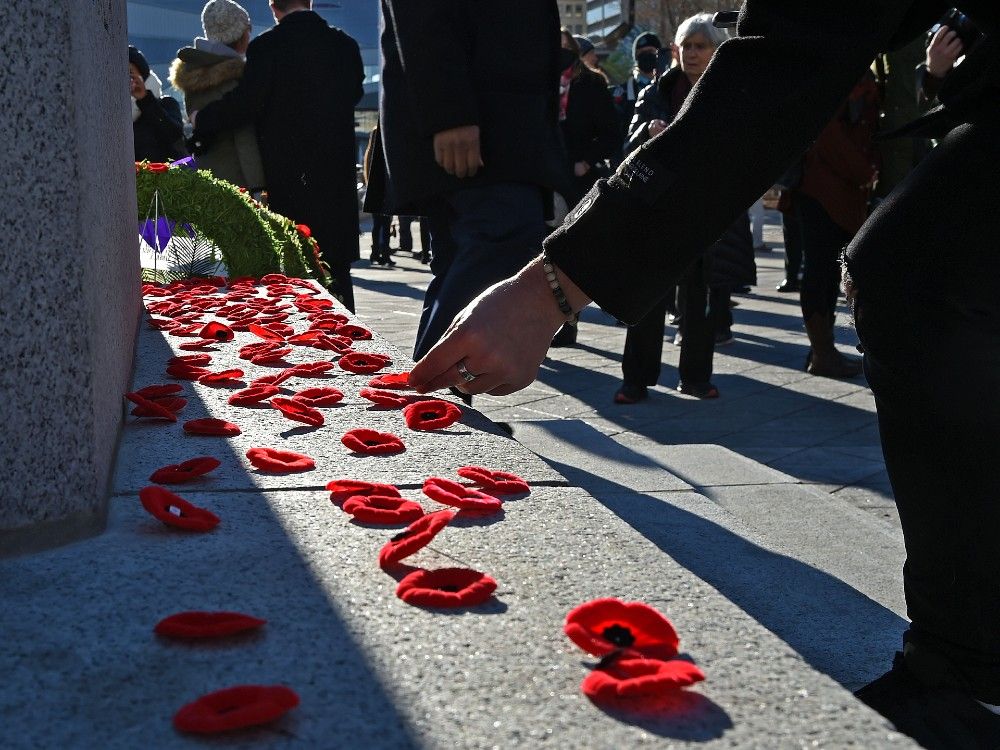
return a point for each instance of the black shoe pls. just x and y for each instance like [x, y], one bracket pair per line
[724, 338]
[938, 717]
[565, 336]
[699, 390]
[630, 393]
[788, 285]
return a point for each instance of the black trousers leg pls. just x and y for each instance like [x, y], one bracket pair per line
[697, 330]
[643, 354]
[791, 230]
[823, 242]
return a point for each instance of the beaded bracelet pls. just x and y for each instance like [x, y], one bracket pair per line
[557, 290]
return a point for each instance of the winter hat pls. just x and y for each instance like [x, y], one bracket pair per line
[136, 58]
[224, 21]
[585, 44]
[646, 39]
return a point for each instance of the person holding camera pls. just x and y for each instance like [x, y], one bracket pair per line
[157, 128]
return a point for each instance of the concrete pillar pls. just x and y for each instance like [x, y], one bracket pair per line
[69, 272]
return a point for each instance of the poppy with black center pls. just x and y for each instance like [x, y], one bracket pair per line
[433, 414]
[446, 588]
[605, 625]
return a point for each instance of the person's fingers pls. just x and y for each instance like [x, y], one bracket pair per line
[435, 369]
[504, 389]
[448, 158]
[475, 159]
[461, 161]
[484, 383]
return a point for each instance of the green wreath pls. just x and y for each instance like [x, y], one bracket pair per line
[253, 241]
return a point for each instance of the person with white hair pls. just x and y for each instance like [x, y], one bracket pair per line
[204, 72]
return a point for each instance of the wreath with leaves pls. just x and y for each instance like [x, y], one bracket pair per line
[252, 240]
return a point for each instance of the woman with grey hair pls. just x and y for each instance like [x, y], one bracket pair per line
[697, 291]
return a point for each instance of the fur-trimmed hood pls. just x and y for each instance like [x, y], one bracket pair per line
[195, 70]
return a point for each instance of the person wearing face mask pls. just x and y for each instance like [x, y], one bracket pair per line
[157, 130]
[206, 71]
[645, 52]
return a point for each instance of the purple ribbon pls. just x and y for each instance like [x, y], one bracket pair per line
[158, 233]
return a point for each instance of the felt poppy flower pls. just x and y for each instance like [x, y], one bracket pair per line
[218, 427]
[307, 304]
[495, 482]
[393, 381]
[371, 442]
[270, 357]
[206, 624]
[225, 376]
[304, 230]
[328, 317]
[185, 371]
[150, 409]
[217, 331]
[157, 167]
[265, 333]
[185, 330]
[432, 414]
[198, 344]
[280, 290]
[605, 625]
[249, 351]
[329, 343]
[185, 471]
[414, 537]
[282, 329]
[363, 363]
[298, 411]
[159, 391]
[631, 678]
[446, 588]
[275, 379]
[388, 398]
[235, 708]
[276, 461]
[305, 339]
[342, 489]
[357, 333]
[272, 318]
[170, 403]
[323, 396]
[253, 395]
[274, 278]
[459, 496]
[312, 369]
[382, 509]
[174, 510]
[162, 324]
[195, 360]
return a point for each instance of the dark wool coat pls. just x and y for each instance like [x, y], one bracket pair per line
[158, 134]
[449, 63]
[763, 99]
[300, 85]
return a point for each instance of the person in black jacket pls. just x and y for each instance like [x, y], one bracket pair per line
[933, 377]
[299, 88]
[470, 138]
[157, 128]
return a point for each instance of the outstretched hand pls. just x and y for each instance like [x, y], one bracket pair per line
[501, 338]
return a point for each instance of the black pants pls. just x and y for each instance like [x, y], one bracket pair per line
[927, 271]
[822, 242]
[381, 226]
[791, 231]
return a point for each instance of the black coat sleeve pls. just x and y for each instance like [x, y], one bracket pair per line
[243, 104]
[644, 113]
[163, 117]
[762, 100]
[431, 38]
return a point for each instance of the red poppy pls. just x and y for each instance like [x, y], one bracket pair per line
[298, 411]
[305, 303]
[159, 391]
[605, 625]
[414, 537]
[363, 363]
[341, 489]
[150, 408]
[312, 369]
[174, 510]
[272, 318]
[306, 338]
[197, 344]
[185, 330]
[270, 357]
[249, 351]
[276, 379]
[459, 496]
[371, 442]
[393, 381]
[433, 414]
[206, 624]
[495, 482]
[160, 324]
[218, 427]
[314, 397]
[328, 317]
[157, 167]
[185, 372]
[304, 230]
[282, 329]
[253, 395]
[171, 404]
[639, 678]
[265, 333]
[447, 587]
[382, 509]
[186, 471]
[278, 461]
[329, 343]
[194, 360]
[388, 398]
[217, 331]
[235, 708]
[274, 278]
[225, 376]
[357, 333]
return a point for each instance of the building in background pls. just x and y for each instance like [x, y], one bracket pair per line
[573, 16]
[605, 16]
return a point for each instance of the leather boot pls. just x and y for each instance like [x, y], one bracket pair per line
[823, 358]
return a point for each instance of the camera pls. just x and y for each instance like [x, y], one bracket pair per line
[962, 25]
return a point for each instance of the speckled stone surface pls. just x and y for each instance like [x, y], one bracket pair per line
[68, 267]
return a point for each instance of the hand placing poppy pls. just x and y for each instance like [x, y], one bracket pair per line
[175, 511]
[276, 461]
[150, 409]
[225, 376]
[363, 363]
[605, 625]
[321, 396]
[631, 678]
[393, 381]
[495, 482]
[446, 588]
[414, 537]
[185, 471]
[216, 427]
[459, 496]
[433, 414]
[198, 625]
[382, 509]
[342, 489]
[371, 442]
[235, 708]
[253, 395]
[298, 411]
[217, 331]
